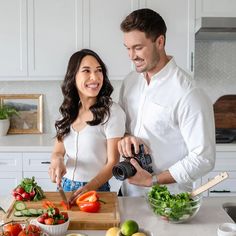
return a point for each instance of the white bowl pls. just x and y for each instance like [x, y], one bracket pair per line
[53, 230]
[226, 229]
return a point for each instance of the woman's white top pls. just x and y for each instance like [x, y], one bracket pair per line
[86, 151]
[175, 120]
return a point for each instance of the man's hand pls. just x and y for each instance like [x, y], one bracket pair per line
[57, 170]
[142, 177]
[124, 146]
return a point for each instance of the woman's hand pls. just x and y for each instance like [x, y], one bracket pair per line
[57, 169]
[76, 194]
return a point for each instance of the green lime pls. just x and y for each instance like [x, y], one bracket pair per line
[129, 227]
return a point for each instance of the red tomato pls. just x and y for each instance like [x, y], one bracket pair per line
[13, 228]
[31, 230]
[41, 219]
[60, 221]
[65, 215]
[89, 206]
[49, 221]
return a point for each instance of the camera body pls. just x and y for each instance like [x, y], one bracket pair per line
[125, 169]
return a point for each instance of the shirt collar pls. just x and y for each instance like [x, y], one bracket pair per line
[162, 74]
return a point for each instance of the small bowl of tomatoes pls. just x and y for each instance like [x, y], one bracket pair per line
[17, 229]
[53, 222]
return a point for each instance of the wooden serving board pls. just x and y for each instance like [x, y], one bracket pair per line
[107, 217]
[225, 112]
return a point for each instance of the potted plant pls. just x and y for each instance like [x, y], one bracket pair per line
[6, 112]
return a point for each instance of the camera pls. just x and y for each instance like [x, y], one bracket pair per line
[125, 169]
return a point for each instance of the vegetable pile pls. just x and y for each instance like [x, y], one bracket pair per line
[175, 208]
[28, 190]
[53, 216]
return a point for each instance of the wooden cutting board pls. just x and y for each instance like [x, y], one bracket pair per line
[107, 217]
[225, 112]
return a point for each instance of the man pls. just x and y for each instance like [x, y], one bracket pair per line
[165, 111]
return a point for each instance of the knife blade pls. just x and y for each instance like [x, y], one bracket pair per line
[63, 196]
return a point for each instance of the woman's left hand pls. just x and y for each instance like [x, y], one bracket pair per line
[76, 194]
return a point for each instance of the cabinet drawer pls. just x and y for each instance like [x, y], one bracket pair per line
[10, 161]
[225, 188]
[227, 163]
[36, 161]
[42, 179]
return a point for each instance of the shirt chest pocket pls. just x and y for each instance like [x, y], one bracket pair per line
[157, 118]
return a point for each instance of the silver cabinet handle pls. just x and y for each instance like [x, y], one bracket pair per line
[45, 162]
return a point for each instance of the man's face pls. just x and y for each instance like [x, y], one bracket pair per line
[142, 51]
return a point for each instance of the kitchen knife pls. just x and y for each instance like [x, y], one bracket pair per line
[63, 196]
[222, 176]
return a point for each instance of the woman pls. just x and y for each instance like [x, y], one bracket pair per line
[90, 127]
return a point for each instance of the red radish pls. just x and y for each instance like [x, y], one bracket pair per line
[19, 197]
[26, 196]
[20, 190]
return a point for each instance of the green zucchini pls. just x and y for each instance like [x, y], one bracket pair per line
[18, 214]
[19, 206]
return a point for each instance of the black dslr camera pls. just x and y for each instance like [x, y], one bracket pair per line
[125, 169]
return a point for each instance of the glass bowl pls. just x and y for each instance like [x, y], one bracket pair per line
[175, 212]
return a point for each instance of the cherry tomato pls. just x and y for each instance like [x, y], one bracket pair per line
[19, 197]
[13, 228]
[31, 230]
[49, 221]
[89, 206]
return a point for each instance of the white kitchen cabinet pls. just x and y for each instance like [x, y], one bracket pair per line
[102, 33]
[55, 32]
[39, 36]
[179, 17]
[15, 165]
[225, 161]
[215, 8]
[8, 181]
[13, 39]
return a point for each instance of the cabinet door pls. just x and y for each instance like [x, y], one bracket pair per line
[215, 8]
[102, 33]
[42, 179]
[13, 39]
[179, 18]
[55, 32]
[8, 181]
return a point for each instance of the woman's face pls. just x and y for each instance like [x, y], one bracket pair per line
[89, 77]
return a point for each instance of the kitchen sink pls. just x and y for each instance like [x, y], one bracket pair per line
[230, 208]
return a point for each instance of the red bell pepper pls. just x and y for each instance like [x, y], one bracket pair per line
[89, 202]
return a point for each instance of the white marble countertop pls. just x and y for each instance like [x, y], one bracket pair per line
[26, 143]
[44, 143]
[205, 223]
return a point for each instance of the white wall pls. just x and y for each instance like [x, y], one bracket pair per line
[215, 71]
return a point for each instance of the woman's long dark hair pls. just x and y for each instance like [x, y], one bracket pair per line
[70, 105]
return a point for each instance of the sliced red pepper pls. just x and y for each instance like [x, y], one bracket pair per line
[89, 206]
[90, 196]
[65, 205]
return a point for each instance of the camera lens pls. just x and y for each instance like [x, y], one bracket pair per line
[123, 170]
